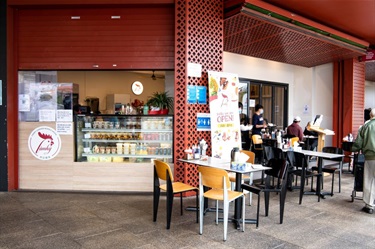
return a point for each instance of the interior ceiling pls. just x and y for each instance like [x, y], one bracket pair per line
[250, 35]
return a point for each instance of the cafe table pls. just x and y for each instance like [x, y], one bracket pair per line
[226, 165]
[320, 156]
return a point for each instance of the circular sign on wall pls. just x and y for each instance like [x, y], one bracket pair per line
[137, 87]
[44, 143]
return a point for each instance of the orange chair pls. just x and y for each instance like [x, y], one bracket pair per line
[258, 146]
[293, 140]
[163, 172]
[218, 182]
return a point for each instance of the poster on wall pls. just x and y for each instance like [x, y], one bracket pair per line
[225, 120]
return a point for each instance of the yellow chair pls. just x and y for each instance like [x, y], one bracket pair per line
[258, 146]
[218, 182]
[245, 177]
[163, 172]
[293, 140]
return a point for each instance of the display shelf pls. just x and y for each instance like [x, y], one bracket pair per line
[123, 134]
[125, 141]
[127, 156]
[120, 130]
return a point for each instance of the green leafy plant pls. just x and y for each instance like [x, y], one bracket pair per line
[161, 100]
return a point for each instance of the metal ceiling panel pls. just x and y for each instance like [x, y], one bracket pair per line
[249, 35]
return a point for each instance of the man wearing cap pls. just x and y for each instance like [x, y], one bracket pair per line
[294, 129]
[366, 143]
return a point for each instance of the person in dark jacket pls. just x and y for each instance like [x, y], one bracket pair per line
[312, 142]
[244, 121]
[258, 122]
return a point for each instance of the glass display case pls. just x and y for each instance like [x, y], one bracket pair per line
[123, 138]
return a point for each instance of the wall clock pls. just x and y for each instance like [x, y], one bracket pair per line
[137, 87]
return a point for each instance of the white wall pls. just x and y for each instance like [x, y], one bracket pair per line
[370, 94]
[307, 86]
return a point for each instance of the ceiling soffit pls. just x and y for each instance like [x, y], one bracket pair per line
[256, 34]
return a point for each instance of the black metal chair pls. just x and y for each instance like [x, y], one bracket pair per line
[347, 149]
[279, 172]
[334, 165]
[301, 168]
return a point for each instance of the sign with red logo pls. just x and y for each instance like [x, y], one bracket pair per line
[370, 56]
[44, 143]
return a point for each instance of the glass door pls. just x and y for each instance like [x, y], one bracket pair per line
[273, 97]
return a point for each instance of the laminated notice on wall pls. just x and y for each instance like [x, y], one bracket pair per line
[47, 116]
[64, 115]
[64, 128]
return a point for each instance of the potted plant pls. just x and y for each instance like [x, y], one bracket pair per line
[160, 103]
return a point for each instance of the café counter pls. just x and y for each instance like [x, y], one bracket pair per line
[101, 153]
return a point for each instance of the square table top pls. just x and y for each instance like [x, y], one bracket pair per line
[225, 165]
[319, 154]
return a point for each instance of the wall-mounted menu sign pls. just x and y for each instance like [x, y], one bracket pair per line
[196, 94]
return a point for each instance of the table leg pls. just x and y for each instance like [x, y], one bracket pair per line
[320, 177]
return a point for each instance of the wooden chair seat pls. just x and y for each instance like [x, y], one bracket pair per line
[179, 187]
[217, 194]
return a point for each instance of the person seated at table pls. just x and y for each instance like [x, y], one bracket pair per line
[313, 142]
[244, 121]
[294, 129]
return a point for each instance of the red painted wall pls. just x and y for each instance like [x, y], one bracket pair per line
[348, 98]
[143, 38]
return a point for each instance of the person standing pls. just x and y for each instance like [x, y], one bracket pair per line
[294, 130]
[366, 142]
[244, 121]
[258, 122]
[312, 137]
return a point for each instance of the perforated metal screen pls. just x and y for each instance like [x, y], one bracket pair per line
[199, 39]
[252, 36]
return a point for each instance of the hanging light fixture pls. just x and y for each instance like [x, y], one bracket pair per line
[153, 75]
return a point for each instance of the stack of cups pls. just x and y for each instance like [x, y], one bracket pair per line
[126, 149]
[119, 148]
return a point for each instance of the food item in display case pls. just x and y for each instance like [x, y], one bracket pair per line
[117, 159]
[105, 159]
[92, 159]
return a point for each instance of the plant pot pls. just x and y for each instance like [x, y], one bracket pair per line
[164, 111]
[153, 112]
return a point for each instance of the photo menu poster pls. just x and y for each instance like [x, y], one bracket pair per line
[225, 120]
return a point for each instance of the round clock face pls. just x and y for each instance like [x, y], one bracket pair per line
[137, 87]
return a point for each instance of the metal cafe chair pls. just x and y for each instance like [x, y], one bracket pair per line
[279, 171]
[163, 172]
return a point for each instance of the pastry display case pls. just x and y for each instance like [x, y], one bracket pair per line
[123, 138]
